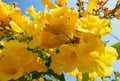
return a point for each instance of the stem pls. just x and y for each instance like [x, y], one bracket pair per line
[102, 6]
[110, 14]
[77, 79]
[85, 76]
[115, 37]
[71, 40]
[81, 7]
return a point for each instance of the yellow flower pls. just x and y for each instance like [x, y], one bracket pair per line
[117, 14]
[41, 79]
[91, 5]
[66, 60]
[17, 50]
[48, 4]
[89, 52]
[1, 53]
[36, 65]
[4, 13]
[105, 69]
[105, 30]
[50, 40]
[27, 60]
[59, 27]
[110, 53]
[15, 27]
[61, 20]
[38, 17]
[36, 32]
[10, 68]
[21, 21]
[31, 11]
[55, 65]
[67, 57]
[94, 25]
[61, 2]
[93, 56]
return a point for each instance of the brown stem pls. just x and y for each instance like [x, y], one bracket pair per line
[110, 14]
[101, 6]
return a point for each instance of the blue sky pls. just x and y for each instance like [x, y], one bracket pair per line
[23, 4]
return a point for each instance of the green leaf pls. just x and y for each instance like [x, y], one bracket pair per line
[117, 47]
[85, 76]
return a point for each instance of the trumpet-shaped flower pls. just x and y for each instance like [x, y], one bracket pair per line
[94, 25]
[55, 65]
[38, 18]
[90, 56]
[18, 50]
[67, 57]
[27, 60]
[50, 40]
[4, 13]
[31, 11]
[20, 20]
[93, 55]
[61, 20]
[10, 68]
[36, 65]
[60, 26]
[35, 32]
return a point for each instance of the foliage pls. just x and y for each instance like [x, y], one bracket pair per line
[117, 47]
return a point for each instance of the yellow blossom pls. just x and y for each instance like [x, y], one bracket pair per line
[36, 65]
[93, 55]
[61, 20]
[31, 11]
[91, 5]
[15, 27]
[89, 52]
[41, 79]
[48, 3]
[18, 50]
[59, 27]
[38, 17]
[1, 53]
[10, 68]
[62, 61]
[61, 2]
[94, 25]
[110, 53]
[27, 60]
[22, 21]
[50, 40]
[55, 65]
[4, 13]
[68, 52]
[36, 32]
[117, 14]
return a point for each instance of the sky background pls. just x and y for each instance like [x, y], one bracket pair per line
[23, 4]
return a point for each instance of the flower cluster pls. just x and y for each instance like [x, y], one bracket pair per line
[72, 39]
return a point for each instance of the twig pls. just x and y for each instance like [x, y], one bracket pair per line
[115, 37]
[112, 12]
[102, 6]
